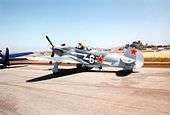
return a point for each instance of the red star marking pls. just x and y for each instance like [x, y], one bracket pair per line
[133, 51]
[100, 59]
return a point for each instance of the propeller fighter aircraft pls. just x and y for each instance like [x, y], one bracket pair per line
[7, 57]
[90, 58]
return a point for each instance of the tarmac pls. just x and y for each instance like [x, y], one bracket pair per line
[33, 90]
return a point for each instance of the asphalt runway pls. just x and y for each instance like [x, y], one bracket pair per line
[32, 90]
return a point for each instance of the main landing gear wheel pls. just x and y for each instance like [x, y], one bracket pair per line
[124, 72]
[83, 68]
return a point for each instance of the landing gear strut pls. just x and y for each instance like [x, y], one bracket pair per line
[55, 68]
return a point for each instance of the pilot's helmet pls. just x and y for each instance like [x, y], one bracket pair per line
[80, 46]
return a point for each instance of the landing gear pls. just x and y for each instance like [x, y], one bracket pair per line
[83, 68]
[55, 69]
[124, 72]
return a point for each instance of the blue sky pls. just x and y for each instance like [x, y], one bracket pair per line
[98, 23]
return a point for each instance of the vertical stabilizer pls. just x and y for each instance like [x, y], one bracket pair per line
[135, 54]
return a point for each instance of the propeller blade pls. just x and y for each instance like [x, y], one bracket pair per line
[50, 41]
[52, 54]
[7, 57]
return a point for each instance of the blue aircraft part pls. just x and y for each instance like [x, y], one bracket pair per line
[14, 55]
[17, 59]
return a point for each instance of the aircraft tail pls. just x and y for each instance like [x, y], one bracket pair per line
[135, 54]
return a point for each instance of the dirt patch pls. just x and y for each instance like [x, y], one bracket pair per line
[8, 106]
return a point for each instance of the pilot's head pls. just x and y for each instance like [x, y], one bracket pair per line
[79, 43]
[80, 46]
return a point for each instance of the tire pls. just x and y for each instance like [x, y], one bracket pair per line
[83, 68]
[124, 72]
[2, 66]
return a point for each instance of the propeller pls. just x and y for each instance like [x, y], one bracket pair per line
[7, 57]
[52, 54]
[50, 41]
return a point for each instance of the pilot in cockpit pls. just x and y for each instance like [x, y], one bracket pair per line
[80, 46]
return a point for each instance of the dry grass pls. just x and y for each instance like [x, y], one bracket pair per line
[157, 59]
[161, 56]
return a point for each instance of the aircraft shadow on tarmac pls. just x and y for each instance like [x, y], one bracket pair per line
[65, 72]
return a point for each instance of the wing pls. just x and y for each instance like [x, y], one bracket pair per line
[14, 55]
